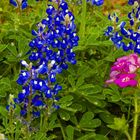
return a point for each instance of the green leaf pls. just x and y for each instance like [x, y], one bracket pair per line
[128, 90]
[52, 122]
[119, 124]
[52, 137]
[82, 71]
[5, 86]
[92, 38]
[40, 136]
[69, 108]
[98, 43]
[18, 130]
[3, 111]
[64, 115]
[87, 117]
[107, 117]
[80, 81]
[73, 119]
[65, 101]
[86, 86]
[76, 106]
[70, 132]
[90, 89]
[114, 87]
[2, 47]
[13, 50]
[71, 80]
[100, 137]
[115, 98]
[87, 121]
[92, 124]
[95, 101]
[107, 92]
[87, 136]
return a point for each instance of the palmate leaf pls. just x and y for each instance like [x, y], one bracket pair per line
[66, 100]
[87, 136]
[93, 136]
[119, 124]
[100, 137]
[70, 132]
[87, 121]
[77, 106]
[96, 102]
[106, 117]
[89, 89]
[64, 115]
[65, 103]
[18, 50]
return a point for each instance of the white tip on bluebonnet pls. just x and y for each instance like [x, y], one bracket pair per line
[24, 63]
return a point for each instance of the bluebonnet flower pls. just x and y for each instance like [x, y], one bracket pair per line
[96, 2]
[11, 105]
[114, 18]
[131, 2]
[19, 3]
[93, 2]
[51, 51]
[119, 33]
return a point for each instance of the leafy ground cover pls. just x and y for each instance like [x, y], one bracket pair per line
[72, 85]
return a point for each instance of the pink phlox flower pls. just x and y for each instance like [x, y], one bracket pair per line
[123, 71]
[122, 66]
[113, 76]
[110, 81]
[130, 58]
[132, 68]
[128, 64]
[126, 80]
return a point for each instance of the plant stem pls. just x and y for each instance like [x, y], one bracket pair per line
[128, 135]
[135, 121]
[83, 19]
[41, 122]
[11, 123]
[62, 130]
[29, 106]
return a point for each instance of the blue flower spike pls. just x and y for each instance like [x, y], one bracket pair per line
[50, 52]
[19, 3]
[118, 35]
[96, 2]
[14, 3]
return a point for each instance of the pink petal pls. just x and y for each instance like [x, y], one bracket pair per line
[110, 81]
[130, 75]
[113, 74]
[130, 82]
[122, 58]
[138, 62]
[132, 68]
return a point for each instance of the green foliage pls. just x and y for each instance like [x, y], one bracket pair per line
[120, 124]
[88, 109]
[87, 121]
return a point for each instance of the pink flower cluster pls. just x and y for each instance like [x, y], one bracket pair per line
[123, 72]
